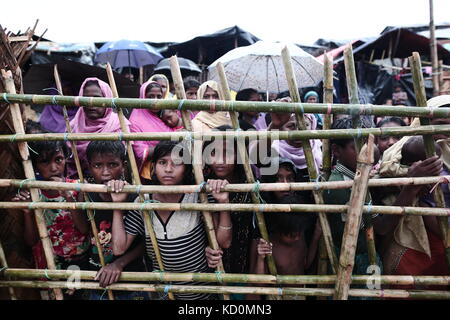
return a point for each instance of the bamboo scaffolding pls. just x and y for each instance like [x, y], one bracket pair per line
[16, 115]
[352, 88]
[274, 135]
[353, 221]
[135, 173]
[246, 163]
[430, 150]
[196, 154]
[18, 273]
[306, 145]
[220, 105]
[4, 266]
[308, 208]
[281, 291]
[244, 187]
[73, 147]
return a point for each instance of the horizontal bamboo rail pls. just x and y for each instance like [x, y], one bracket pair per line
[274, 135]
[241, 187]
[18, 274]
[279, 291]
[237, 207]
[222, 105]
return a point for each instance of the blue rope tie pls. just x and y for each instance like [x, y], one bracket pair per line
[30, 205]
[219, 276]
[104, 291]
[369, 207]
[161, 274]
[316, 180]
[113, 103]
[54, 100]
[302, 110]
[120, 136]
[22, 183]
[78, 187]
[83, 206]
[46, 274]
[167, 288]
[3, 269]
[180, 105]
[256, 187]
[189, 136]
[4, 98]
[280, 291]
[13, 138]
[138, 189]
[31, 149]
[201, 186]
[148, 201]
[66, 136]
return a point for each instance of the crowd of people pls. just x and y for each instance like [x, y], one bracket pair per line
[406, 245]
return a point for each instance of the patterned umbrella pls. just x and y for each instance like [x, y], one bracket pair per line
[260, 66]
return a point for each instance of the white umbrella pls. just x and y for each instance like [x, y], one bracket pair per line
[260, 66]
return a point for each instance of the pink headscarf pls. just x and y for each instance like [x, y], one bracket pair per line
[81, 124]
[297, 155]
[145, 120]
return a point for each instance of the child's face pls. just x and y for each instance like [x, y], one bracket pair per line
[106, 167]
[290, 239]
[171, 118]
[346, 155]
[284, 175]
[93, 113]
[53, 167]
[169, 171]
[222, 159]
[191, 93]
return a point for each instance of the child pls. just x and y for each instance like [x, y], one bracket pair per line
[67, 230]
[172, 119]
[385, 142]
[248, 119]
[107, 163]
[345, 154]
[191, 87]
[290, 251]
[180, 235]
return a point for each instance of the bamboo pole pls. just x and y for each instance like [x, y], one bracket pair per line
[244, 187]
[401, 294]
[220, 105]
[135, 174]
[280, 135]
[196, 154]
[81, 176]
[18, 273]
[246, 164]
[306, 145]
[433, 53]
[3, 267]
[352, 88]
[16, 116]
[353, 221]
[430, 150]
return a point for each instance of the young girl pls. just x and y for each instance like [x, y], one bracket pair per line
[172, 119]
[107, 163]
[67, 230]
[181, 235]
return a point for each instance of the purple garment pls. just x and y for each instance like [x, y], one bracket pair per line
[52, 118]
[260, 123]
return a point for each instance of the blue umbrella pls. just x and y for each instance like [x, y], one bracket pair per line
[127, 53]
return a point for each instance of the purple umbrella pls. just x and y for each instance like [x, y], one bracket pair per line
[127, 53]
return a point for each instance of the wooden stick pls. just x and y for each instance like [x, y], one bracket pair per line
[196, 152]
[430, 150]
[328, 118]
[81, 177]
[220, 105]
[246, 164]
[402, 294]
[135, 174]
[16, 116]
[352, 87]
[3, 267]
[353, 221]
[17, 273]
[306, 145]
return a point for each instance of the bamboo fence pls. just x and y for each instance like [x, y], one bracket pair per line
[275, 283]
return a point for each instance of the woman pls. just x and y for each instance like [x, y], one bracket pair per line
[208, 120]
[52, 118]
[180, 235]
[147, 120]
[92, 120]
[164, 84]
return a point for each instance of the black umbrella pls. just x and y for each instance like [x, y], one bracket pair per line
[187, 67]
[40, 77]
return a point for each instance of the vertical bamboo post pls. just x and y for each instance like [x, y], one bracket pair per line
[352, 87]
[248, 170]
[16, 116]
[421, 100]
[353, 221]
[196, 147]
[433, 53]
[135, 174]
[326, 149]
[312, 171]
[4, 266]
[81, 176]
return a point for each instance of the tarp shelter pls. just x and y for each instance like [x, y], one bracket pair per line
[206, 49]
[52, 52]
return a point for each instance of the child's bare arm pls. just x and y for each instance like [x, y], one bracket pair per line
[222, 220]
[257, 263]
[312, 250]
[78, 217]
